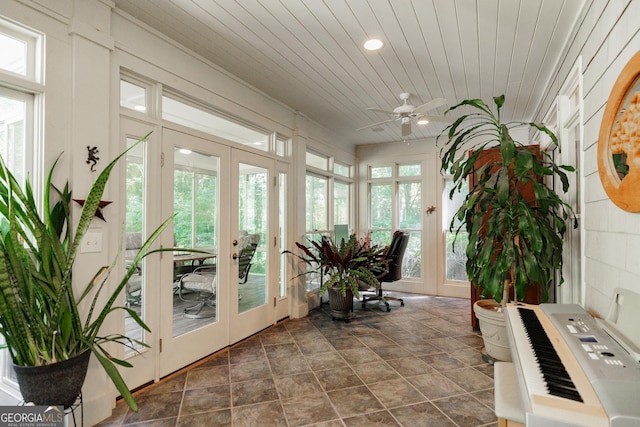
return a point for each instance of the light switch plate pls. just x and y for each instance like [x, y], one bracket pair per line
[92, 242]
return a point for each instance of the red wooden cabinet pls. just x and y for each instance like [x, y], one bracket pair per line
[533, 294]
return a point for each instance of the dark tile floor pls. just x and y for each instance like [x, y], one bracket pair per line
[418, 365]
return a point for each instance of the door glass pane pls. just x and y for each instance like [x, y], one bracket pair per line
[195, 203]
[253, 222]
[282, 231]
[134, 237]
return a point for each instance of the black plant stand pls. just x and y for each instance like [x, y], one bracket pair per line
[71, 410]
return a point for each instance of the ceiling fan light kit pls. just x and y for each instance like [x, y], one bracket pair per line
[405, 112]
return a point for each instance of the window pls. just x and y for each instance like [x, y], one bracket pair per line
[328, 201]
[317, 211]
[195, 200]
[199, 118]
[395, 202]
[21, 56]
[133, 96]
[456, 257]
[16, 131]
[317, 161]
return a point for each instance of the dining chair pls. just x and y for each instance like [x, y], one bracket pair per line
[199, 286]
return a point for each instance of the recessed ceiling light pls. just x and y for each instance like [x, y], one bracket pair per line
[422, 121]
[373, 44]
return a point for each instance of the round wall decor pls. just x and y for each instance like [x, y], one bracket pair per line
[619, 139]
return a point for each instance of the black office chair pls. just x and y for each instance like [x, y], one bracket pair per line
[393, 270]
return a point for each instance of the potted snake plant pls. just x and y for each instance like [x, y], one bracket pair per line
[515, 223]
[40, 319]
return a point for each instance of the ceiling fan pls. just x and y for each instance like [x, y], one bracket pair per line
[406, 112]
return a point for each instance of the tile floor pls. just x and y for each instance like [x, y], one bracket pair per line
[418, 365]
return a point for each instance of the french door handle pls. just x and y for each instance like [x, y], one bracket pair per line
[234, 256]
[235, 242]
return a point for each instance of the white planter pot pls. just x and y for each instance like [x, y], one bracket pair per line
[493, 329]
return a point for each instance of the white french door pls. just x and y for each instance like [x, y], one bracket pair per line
[253, 198]
[194, 323]
[221, 197]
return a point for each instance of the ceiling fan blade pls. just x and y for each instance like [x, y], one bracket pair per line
[406, 127]
[438, 102]
[375, 124]
[443, 119]
[378, 110]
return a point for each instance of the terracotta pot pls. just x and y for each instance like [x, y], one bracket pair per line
[341, 305]
[493, 329]
[59, 383]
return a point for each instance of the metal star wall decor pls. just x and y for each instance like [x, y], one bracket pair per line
[102, 204]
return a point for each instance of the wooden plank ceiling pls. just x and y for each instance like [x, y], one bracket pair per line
[308, 53]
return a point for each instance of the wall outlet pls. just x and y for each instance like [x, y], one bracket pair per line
[92, 242]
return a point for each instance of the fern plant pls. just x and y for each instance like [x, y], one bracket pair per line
[39, 316]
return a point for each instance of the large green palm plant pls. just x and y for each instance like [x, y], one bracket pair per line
[39, 315]
[515, 240]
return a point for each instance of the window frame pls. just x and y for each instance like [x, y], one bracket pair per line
[395, 180]
[30, 89]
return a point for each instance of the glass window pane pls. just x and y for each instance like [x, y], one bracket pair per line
[253, 222]
[409, 170]
[183, 207]
[381, 206]
[14, 54]
[196, 118]
[316, 161]
[381, 237]
[342, 170]
[455, 255]
[282, 147]
[381, 172]
[196, 201]
[316, 201]
[206, 210]
[134, 237]
[13, 140]
[282, 230]
[412, 261]
[340, 203]
[133, 96]
[410, 205]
